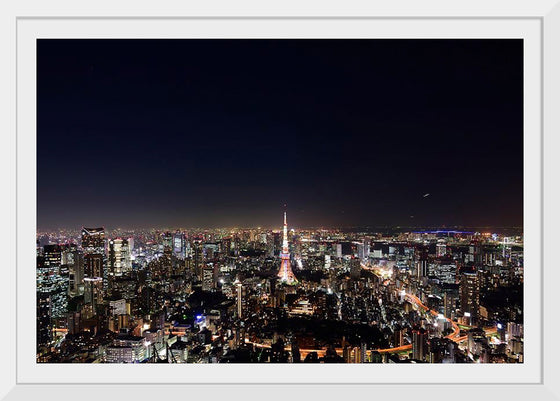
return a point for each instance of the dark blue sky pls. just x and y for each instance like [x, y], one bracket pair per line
[143, 133]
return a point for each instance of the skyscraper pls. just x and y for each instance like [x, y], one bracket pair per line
[197, 258]
[179, 245]
[93, 280]
[469, 296]
[44, 334]
[74, 259]
[53, 255]
[422, 264]
[285, 273]
[93, 240]
[95, 275]
[52, 278]
[239, 288]
[93, 266]
[209, 274]
[419, 344]
[119, 257]
[93, 244]
[441, 248]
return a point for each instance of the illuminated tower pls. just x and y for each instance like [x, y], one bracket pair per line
[285, 273]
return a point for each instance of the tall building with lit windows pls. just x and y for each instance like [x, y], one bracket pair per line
[73, 258]
[95, 274]
[441, 249]
[93, 240]
[179, 246]
[197, 258]
[422, 264]
[209, 274]
[119, 256]
[239, 290]
[44, 334]
[469, 295]
[93, 280]
[52, 279]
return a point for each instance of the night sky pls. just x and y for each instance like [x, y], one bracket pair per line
[216, 133]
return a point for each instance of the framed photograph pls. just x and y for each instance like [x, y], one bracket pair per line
[213, 202]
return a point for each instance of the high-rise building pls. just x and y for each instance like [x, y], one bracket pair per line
[209, 275]
[239, 288]
[450, 302]
[167, 240]
[179, 245]
[363, 353]
[422, 264]
[44, 333]
[277, 241]
[118, 307]
[52, 255]
[52, 279]
[93, 280]
[73, 322]
[363, 249]
[197, 258]
[75, 260]
[398, 337]
[93, 266]
[225, 249]
[469, 295]
[285, 274]
[419, 344]
[93, 240]
[119, 257]
[95, 274]
[210, 250]
[441, 249]
[446, 271]
[355, 268]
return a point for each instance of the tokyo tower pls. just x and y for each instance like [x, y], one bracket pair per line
[285, 274]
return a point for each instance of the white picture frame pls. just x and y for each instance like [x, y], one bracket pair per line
[537, 22]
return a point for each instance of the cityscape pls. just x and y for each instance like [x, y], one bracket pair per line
[256, 295]
[279, 201]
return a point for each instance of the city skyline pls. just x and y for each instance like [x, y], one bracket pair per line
[277, 227]
[233, 297]
[205, 133]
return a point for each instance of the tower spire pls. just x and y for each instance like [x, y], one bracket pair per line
[285, 274]
[285, 249]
